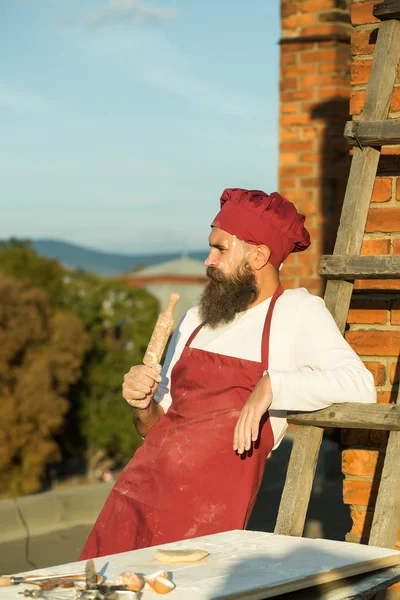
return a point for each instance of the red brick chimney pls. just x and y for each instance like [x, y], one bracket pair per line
[314, 106]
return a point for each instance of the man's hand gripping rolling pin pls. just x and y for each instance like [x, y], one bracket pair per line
[142, 381]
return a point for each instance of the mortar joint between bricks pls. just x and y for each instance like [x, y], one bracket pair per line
[375, 358]
[381, 234]
[394, 186]
[361, 57]
[365, 27]
[367, 327]
[366, 23]
[368, 479]
[386, 204]
[373, 235]
[361, 507]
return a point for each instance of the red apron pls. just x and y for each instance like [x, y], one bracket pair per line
[185, 480]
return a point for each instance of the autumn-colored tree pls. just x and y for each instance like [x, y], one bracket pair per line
[41, 354]
[110, 324]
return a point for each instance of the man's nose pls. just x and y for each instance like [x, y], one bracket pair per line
[210, 260]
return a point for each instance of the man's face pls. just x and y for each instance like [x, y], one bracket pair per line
[226, 253]
[232, 287]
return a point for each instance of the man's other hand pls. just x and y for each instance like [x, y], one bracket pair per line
[248, 425]
[140, 385]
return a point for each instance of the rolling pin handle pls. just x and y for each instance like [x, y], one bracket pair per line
[173, 301]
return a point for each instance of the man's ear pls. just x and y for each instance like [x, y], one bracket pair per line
[261, 257]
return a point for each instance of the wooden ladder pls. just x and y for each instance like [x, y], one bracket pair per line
[341, 269]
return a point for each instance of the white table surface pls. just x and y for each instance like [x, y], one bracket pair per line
[255, 563]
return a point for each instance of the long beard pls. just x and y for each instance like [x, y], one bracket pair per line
[226, 295]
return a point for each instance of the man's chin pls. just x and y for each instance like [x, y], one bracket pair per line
[214, 321]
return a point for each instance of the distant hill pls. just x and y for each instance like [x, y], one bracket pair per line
[102, 263]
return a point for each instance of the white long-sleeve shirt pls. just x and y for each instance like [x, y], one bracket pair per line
[310, 363]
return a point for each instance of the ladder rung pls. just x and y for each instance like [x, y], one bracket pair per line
[372, 133]
[349, 267]
[389, 9]
[352, 415]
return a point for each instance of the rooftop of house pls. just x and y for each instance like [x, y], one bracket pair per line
[184, 266]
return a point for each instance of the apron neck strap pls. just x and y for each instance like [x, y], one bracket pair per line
[193, 335]
[267, 327]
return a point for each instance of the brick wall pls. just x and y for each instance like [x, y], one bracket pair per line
[319, 75]
[314, 106]
[374, 318]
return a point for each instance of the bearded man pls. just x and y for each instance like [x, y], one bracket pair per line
[237, 363]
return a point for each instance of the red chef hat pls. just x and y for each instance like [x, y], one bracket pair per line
[261, 219]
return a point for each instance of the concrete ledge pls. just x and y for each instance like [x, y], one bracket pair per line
[11, 526]
[51, 511]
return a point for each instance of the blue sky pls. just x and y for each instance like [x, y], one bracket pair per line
[123, 120]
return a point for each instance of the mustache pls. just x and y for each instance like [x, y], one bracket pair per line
[215, 274]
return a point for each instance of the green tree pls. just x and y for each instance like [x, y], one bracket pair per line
[20, 261]
[120, 319]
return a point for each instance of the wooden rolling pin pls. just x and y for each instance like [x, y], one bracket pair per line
[161, 333]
